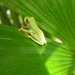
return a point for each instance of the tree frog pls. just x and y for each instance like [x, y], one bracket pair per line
[32, 31]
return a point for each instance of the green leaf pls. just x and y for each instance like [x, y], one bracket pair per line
[3, 16]
[21, 56]
[55, 16]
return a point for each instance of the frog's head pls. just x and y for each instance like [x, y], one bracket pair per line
[27, 20]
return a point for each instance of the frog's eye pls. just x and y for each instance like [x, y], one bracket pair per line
[27, 20]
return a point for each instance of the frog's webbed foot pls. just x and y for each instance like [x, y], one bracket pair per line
[27, 35]
[20, 29]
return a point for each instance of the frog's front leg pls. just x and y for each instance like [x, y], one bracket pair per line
[26, 27]
[25, 30]
[21, 29]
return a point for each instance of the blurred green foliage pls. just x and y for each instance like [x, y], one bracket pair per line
[20, 55]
